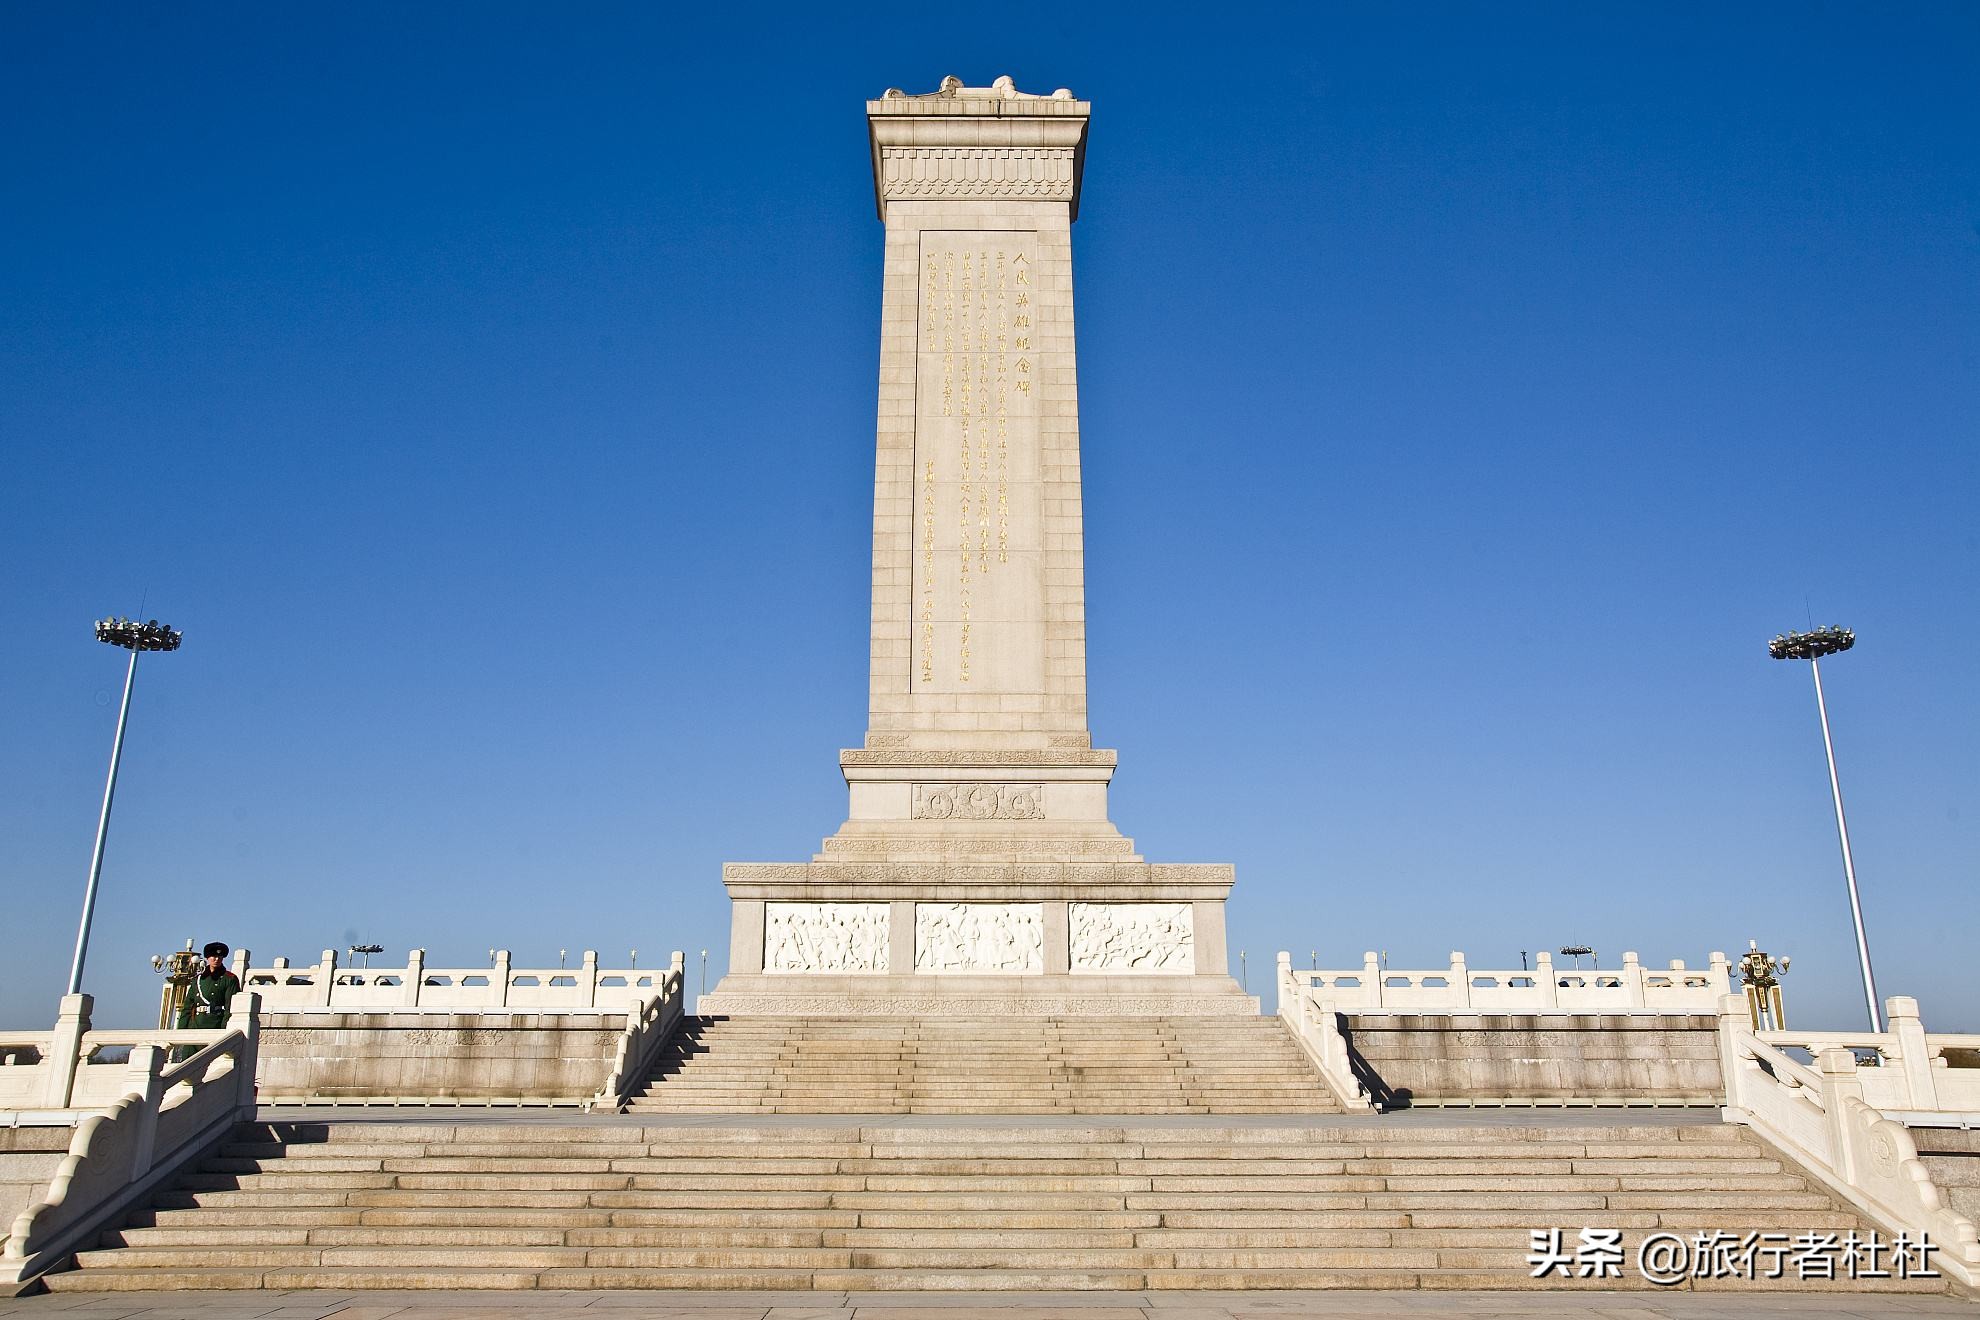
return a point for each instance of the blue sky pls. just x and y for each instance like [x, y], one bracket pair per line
[1468, 394]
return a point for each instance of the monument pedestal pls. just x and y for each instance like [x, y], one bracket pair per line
[977, 872]
[982, 897]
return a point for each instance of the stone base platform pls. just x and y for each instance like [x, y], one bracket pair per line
[961, 996]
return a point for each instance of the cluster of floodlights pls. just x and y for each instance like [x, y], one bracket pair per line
[133, 636]
[1811, 645]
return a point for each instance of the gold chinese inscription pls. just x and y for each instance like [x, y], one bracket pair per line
[976, 465]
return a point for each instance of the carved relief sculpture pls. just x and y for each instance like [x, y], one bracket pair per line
[825, 937]
[979, 937]
[1132, 937]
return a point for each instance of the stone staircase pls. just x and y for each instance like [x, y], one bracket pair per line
[1133, 1065]
[1045, 1204]
[1952, 1155]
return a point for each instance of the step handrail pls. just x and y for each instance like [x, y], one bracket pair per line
[1819, 1118]
[648, 1027]
[172, 1114]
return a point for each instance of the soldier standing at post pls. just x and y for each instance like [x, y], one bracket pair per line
[212, 990]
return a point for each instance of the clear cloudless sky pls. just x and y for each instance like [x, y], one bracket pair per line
[1468, 393]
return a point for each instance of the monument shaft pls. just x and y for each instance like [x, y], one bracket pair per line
[977, 865]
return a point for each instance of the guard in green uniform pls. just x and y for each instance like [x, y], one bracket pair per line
[213, 988]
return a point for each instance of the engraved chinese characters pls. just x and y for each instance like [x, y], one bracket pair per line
[977, 576]
[825, 937]
[1132, 937]
[979, 937]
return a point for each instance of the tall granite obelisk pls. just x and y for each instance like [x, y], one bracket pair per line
[977, 870]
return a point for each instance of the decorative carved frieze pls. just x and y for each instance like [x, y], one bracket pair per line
[954, 1006]
[1042, 173]
[461, 1036]
[888, 756]
[1132, 937]
[844, 849]
[979, 802]
[979, 937]
[825, 937]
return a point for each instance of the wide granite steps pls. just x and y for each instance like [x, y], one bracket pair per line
[981, 1205]
[1039, 1066]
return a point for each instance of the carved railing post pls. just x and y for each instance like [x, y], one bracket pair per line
[1840, 1084]
[415, 976]
[1914, 1052]
[589, 978]
[502, 978]
[1371, 977]
[1545, 980]
[244, 1016]
[1721, 972]
[326, 979]
[242, 959]
[1632, 979]
[1460, 979]
[65, 1050]
[146, 1083]
[1733, 1024]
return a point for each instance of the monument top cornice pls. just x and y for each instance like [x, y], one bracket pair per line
[1001, 97]
[994, 142]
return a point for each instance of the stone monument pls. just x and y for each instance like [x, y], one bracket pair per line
[977, 871]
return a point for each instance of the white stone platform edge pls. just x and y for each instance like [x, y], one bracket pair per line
[799, 1001]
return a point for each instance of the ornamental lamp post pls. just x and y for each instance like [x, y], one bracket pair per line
[1812, 646]
[178, 969]
[133, 637]
[1761, 972]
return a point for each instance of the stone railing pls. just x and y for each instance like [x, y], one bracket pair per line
[419, 988]
[1821, 1117]
[167, 1115]
[647, 1029]
[1908, 1072]
[1315, 1024]
[1316, 1004]
[1458, 988]
[75, 1067]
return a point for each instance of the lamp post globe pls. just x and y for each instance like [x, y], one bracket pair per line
[1812, 646]
[137, 638]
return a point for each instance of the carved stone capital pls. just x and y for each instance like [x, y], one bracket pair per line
[1045, 174]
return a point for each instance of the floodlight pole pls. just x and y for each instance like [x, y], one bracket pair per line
[102, 829]
[1849, 863]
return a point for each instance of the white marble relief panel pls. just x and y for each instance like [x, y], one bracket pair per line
[824, 937]
[1132, 937]
[979, 937]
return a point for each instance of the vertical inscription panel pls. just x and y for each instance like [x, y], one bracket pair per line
[978, 608]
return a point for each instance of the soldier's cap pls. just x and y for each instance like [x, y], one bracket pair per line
[216, 950]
